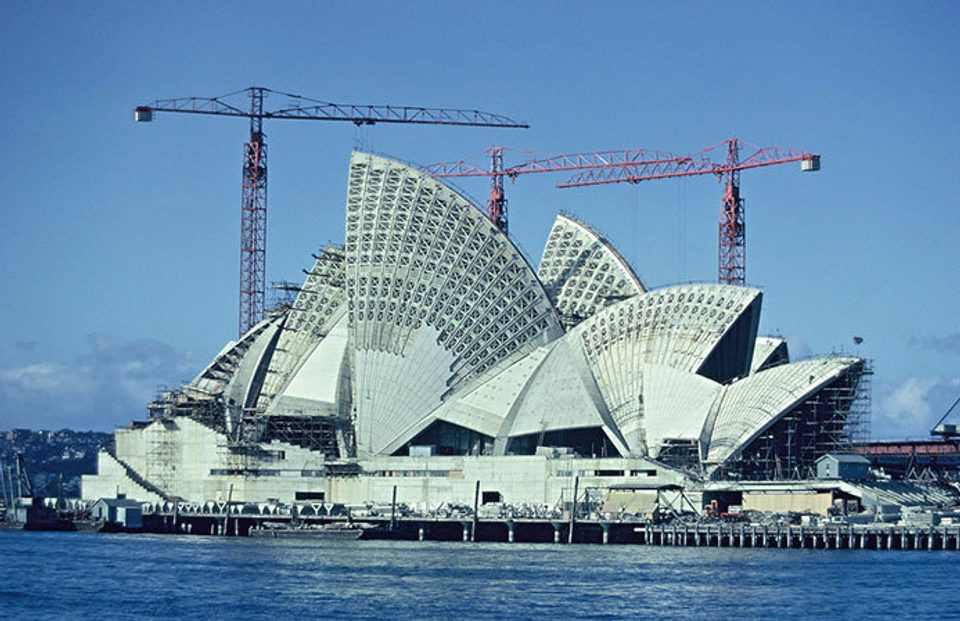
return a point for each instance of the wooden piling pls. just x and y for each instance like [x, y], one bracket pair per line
[476, 514]
[573, 508]
[393, 510]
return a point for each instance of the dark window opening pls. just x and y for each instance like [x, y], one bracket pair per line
[588, 442]
[310, 496]
[449, 439]
[491, 497]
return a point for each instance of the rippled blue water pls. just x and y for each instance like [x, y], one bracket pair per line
[91, 576]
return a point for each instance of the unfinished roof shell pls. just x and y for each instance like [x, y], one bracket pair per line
[428, 327]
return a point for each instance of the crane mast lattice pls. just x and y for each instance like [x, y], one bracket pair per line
[253, 236]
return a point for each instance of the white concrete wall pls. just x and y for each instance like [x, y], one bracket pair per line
[201, 455]
[195, 452]
[110, 480]
[131, 448]
[532, 479]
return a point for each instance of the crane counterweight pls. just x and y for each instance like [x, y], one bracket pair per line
[810, 165]
[142, 114]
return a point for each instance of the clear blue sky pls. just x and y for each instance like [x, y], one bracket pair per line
[119, 254]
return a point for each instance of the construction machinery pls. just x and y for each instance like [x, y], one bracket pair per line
[253, 230]
[732, 248]
[946, 431]
[537, 162]
[634, 166]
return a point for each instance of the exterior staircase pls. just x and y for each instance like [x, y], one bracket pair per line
[134, 476]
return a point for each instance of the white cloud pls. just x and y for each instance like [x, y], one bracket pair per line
[111, 383]
[35, 377]
[911, 407]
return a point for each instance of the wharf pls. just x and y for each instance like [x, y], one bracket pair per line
[540, 530]
[835, 537]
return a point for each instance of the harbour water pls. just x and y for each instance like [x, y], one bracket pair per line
[96, 576]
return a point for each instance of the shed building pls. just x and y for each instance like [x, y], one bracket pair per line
[833, 466]
[123, 511]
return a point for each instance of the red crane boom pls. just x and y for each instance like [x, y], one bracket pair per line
[636, 165]
[253, 236]
[732, 254]
[544, 162]
[497, 203]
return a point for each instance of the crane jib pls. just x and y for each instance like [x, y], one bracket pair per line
[254, 197]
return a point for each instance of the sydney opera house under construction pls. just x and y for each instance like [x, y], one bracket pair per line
[426, 354]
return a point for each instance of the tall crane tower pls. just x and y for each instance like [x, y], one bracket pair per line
[253, 208]
[732, 250]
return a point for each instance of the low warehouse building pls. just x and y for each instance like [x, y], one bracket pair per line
[799, 501]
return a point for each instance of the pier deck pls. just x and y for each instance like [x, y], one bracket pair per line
[466, 528]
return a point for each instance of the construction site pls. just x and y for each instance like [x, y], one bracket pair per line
[428, 380]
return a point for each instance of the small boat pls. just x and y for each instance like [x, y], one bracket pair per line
[29, 513]
[88, 526]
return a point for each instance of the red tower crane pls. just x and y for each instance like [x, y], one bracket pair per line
[497, 203]
[732, 253]
[253, 230]
[542, 163]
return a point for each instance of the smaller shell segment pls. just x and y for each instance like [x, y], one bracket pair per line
[308, 321]
[676, 327]
[582, 272]
[769, 351]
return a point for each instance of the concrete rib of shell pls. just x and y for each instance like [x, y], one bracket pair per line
[222, 369]
[676, 405]
[747, 407]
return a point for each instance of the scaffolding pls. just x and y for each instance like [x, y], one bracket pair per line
[162, 455]
[206, 410]
[244, 450]
[860, 408]
[315, 433]
[834, 420]
[680, 453]
[283, 294]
